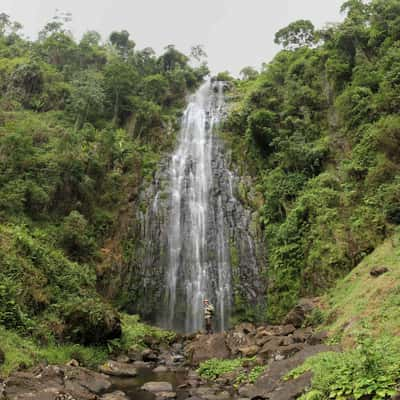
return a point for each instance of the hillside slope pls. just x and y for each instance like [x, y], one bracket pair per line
[362, 302]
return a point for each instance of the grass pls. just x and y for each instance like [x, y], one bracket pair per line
[362, 302]
[23, 352]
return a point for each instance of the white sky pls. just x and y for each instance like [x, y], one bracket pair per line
[235, 33]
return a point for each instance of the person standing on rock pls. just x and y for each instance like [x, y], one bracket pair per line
[208, 316]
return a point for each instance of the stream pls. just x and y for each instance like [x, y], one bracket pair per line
[131, 386]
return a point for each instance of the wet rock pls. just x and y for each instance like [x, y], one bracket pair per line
[123, 359]
[177, 347]
[165, 395]
[270, 347]
[142, 364]
[286, 330]
[116, 368]
[205, 347]
[73, 363]
[160, 368]
[224, 395]
[262, 340]
[287, 340]
[156, 387]
[249, 351]
[149, 355]
[298, 314]
[178, 358]
[284, 352]
[292, 390]
[115, 396]
[46, 383]
[243, 335]
[378, 271]
[301, 335]
[317, 338]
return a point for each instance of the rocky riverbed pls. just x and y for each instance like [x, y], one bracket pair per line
[170, 371]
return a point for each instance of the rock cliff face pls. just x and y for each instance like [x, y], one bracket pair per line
[193, 238]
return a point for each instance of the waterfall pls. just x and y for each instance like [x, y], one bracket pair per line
[196, 237]
[194, 271]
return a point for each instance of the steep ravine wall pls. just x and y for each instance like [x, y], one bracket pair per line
[138, 278]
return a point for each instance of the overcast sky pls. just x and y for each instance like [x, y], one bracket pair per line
[235, 33]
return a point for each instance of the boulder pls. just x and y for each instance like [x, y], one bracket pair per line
[157, 387]
[46, 383]
[73, 363]
[317, 338]
[378, 271]
[123, 358]
[270, 347]
[301, 335]
[204, 347]
[287, 340]
[298, 314]
[243, 335]
[160, 368]
[115, 396]
[142, 364]
[249, 351]
[262, 340]
[165, 395]
[284, 352]
[115, 368]
[148, 355]
[271, 385]
[286, 330]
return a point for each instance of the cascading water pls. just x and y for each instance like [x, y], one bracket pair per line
[196, 235]
[195, 273]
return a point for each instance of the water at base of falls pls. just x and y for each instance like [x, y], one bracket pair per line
[198, 244]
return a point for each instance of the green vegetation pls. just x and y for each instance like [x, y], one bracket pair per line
[318, 130]
[215, 367]
[22, 351]
[361, 313]
[368, 371]
[83, 125]
[135, 334]
[250, 376]
[361, 302]
[25, 352]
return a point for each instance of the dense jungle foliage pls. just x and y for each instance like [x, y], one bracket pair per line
[319, 131]
[82, 125]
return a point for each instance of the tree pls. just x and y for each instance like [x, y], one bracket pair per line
[122, 43]
[87, 96]
[155, 88]
[296, 34]
[120, 80]
[90, 50]
[248, 73]
[172, 59]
